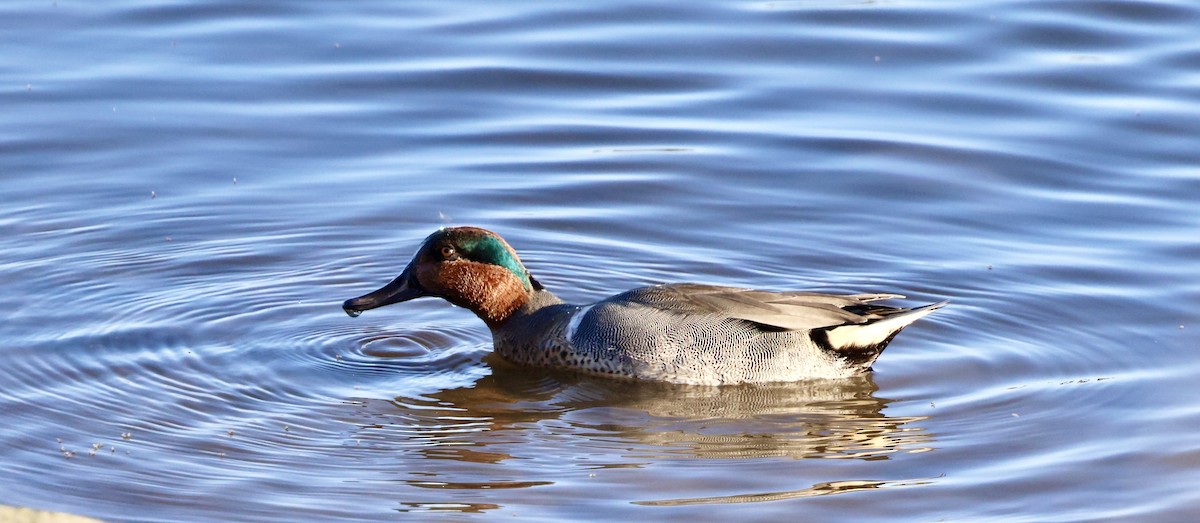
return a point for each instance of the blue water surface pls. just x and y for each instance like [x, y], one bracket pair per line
[191, 188]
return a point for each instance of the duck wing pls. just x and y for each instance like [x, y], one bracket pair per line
[767, 310]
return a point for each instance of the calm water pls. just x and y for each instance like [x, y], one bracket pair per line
[190, 189]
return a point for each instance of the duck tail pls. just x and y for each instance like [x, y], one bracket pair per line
[860, 344]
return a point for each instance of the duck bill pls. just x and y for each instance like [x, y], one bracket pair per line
[403, 288]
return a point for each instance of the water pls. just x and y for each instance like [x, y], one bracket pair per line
[192, 188]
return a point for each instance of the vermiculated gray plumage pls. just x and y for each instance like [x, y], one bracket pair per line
[704, 334]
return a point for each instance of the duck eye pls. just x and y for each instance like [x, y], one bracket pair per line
[447, 251]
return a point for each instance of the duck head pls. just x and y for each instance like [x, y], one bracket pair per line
[470, 267]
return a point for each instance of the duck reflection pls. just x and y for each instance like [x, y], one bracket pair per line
[825, 419]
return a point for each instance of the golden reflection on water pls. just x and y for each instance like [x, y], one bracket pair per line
[527, 430]
[825, 419]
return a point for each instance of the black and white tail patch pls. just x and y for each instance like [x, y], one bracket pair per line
[861, 344]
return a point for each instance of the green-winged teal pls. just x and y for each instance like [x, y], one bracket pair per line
[681, 333]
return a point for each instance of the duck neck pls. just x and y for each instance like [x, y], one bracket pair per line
[500, 313]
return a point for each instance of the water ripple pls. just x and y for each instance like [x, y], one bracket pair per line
[192, 189]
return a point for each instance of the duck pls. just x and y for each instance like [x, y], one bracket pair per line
[685, 333]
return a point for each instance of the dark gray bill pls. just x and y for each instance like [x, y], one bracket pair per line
[403, 288]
